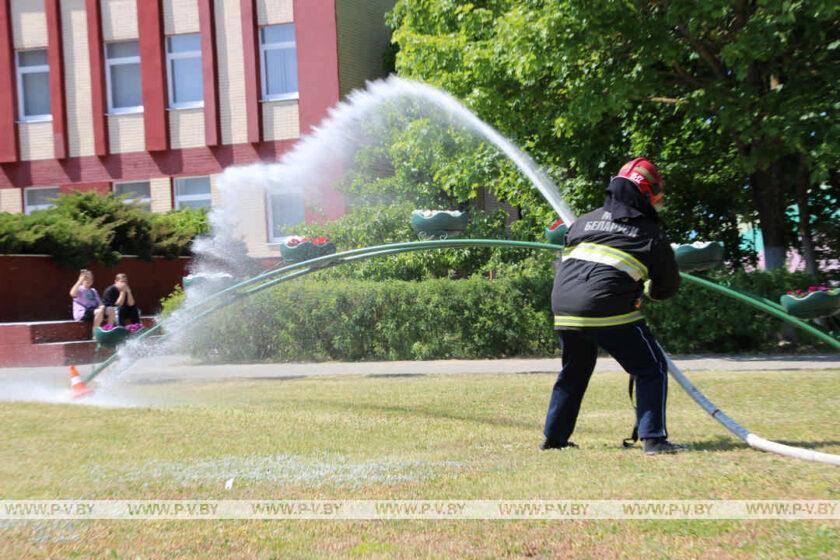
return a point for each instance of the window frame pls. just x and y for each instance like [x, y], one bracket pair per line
[141, 201]
[188, 197]
[264, 47]
[27, 208]
[169, 79]
[109, 86]
[19, 72]
[276, 240]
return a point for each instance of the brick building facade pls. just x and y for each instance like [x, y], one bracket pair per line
[154, 98]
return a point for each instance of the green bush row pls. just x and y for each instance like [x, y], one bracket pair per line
[312, 320]
[90, 227]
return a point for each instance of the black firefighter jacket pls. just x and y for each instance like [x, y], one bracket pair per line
[608, 256]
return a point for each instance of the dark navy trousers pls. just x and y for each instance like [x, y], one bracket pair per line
[634, 347]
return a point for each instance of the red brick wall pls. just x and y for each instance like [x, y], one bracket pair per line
[34, 288]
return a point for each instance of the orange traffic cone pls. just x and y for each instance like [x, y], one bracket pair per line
[77, 385]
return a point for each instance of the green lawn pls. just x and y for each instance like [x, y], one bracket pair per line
[425, 437]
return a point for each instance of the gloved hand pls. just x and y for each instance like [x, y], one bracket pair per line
[647, 288]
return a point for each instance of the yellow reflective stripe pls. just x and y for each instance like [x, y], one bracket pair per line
[573, 321]
[626, 257]
[610, 256]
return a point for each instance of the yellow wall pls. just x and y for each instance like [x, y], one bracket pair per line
[126, 133]
[77, 78]
[119, 20]
[29, 24]
[161, 194]
[180, 16]
[11, 201]
[36, 140]
[231, 73]
[281, 120]
[270, 12]
[186, 128]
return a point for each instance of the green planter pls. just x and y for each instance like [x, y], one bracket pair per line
[113, 337]
[812, 305]
[700, 255]
[556, 233]
[305, 250]
[212, 282]
[438, 224]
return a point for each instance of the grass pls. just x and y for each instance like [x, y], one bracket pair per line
[435, 437]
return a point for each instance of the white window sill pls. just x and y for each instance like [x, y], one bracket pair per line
[27, 120]
[125, 111]
[285, 97]
[185, 106]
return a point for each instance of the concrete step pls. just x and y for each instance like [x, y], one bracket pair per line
[52, 354]
[38, 332]
[49, 343]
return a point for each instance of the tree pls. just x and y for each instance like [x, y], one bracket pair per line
[735, 99]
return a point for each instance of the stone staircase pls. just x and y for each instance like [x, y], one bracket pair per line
[50, 343]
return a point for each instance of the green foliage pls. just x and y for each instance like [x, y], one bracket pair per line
[468, 319]
[696, 320]
[388, 320]
[173, 301]
[71, 243]
[90, 227]
[380, 224]
[172, 233]
[735, 100]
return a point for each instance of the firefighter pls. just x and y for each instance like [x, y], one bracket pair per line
[612, 256]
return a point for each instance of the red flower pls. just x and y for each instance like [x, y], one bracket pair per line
[320, 241]
[555, 225]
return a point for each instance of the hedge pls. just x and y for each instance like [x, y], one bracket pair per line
[314, 320]
[91, 227]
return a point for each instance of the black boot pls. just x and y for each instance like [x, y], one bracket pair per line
[660, 446]
[545, 445]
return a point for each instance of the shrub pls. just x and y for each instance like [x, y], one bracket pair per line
[697, 320]
[473, 318]
[173, 301]
[392, 320]
[90, 227]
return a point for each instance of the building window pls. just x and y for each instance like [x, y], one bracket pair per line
[122, 70]
[39, 198]
[192, 192]
[278, 55]
[183, 66]
[136, 191]
[33, 80]
[285, 209]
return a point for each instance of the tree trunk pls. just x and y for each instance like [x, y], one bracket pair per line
[806, 241]
[768, 195]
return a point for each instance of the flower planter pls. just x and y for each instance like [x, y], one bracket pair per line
[438, 224]
[113, 337]
[212, 282]
[299, 249]
[812, 305]
[700, 255]
[556, 233]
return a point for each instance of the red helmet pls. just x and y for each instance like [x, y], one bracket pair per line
[646, 176]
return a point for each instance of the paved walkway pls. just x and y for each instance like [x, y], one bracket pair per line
[180, 367]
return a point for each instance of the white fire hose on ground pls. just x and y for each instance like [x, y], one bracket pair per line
[742, 433]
